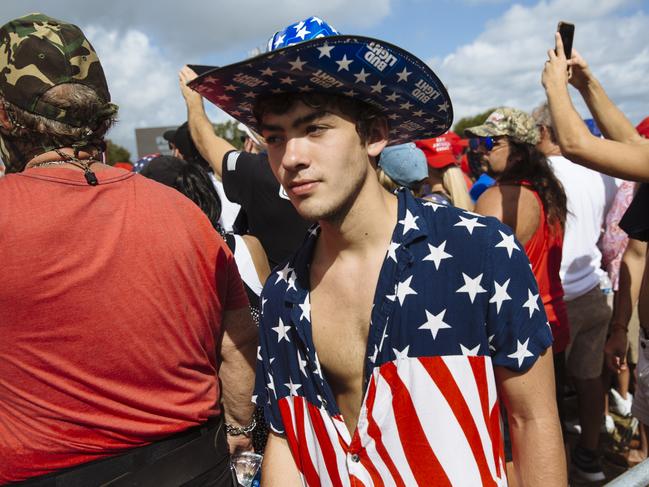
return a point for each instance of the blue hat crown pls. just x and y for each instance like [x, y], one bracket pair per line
[304, 30]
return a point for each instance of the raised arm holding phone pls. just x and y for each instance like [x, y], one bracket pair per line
[625, 154]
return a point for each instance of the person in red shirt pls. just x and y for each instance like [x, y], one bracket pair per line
[126, 333]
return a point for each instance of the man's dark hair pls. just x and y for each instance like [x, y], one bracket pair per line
[527, 163]
[365, 116]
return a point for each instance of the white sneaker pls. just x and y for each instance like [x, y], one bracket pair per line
[619, 405]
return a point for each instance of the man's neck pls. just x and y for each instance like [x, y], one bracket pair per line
[368, 224]
[60, 155]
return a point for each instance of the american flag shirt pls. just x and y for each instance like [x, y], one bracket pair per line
[455, 297]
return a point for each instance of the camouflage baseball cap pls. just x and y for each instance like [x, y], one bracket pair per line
[37, 53]
[510, 122]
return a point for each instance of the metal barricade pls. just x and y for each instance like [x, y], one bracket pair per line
[638, 476]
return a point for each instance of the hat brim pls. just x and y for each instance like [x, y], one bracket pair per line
[440, 161]
[385, 76]
[483, 131]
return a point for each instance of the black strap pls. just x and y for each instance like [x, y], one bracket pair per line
[167, 463]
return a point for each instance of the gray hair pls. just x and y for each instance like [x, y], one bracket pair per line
[542, 116]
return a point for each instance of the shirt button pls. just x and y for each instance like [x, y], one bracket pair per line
[355, 458]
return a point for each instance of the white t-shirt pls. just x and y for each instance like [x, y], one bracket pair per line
[229, 210]
[589, 195]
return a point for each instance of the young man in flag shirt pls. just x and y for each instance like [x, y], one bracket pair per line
[385, 338]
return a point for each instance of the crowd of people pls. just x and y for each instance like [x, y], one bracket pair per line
[359, 294]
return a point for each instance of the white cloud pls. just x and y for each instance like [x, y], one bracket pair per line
[143, 44]
[503, 65]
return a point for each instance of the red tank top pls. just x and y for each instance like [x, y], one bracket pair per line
[544, 250]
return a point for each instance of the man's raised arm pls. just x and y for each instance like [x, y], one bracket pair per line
[626, 155]
[212, 147]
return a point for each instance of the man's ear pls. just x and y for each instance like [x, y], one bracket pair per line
[5, 122]
[378, 138]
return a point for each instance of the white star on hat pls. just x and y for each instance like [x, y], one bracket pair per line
[434, 323]
[468, 223]
[305, 88]
[403, 75]
[378, 87]
[267, 72]
[472, 286]
[500, 295]
[279, 40]
[297, 64]
[393, 96]
[302, 33]
[344, 63]
[521, 352]
[282, 331]
[361, 76]
[437, 254]
[507, 242]
[230, 88]
[406, 106]
[532, 302]
[393, 116]
[287, 81]
[325, 50]
[224, 97]
[418, 113]
[443, 107]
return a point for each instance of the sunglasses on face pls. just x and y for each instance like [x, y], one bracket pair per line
[486, 142]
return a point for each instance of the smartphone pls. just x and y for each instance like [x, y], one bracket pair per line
[567, 32]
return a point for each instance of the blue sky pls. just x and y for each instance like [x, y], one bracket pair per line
[487, 52]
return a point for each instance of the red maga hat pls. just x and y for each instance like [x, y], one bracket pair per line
[438, 151]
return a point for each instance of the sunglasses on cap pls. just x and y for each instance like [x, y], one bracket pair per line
[486, 142]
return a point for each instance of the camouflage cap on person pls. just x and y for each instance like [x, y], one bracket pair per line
[511, 122]
[37, 53]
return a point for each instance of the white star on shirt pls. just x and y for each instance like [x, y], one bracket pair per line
[404, 289]
[532, 302]
[401, 355]
[306, 309]
[297, 64]
[378, 87]
[282, 331]
[403, 75]
[500, 294]
[344, 63]
[521, 352]
[491, 347]
[361, 76]
[271, 384]
[302, 33]
[470, 352]
[433, 205]
[437, 254]
[292, 388]
[507, 242]
[392, 251]
[472, 286]
[284, 274]
[434, 323]
[301, 363]
[409, 222]
[267, 72]
[318, 369]
[291, 282]
[392, 97]
[468, 223]
[254, 399]
[325, 50]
